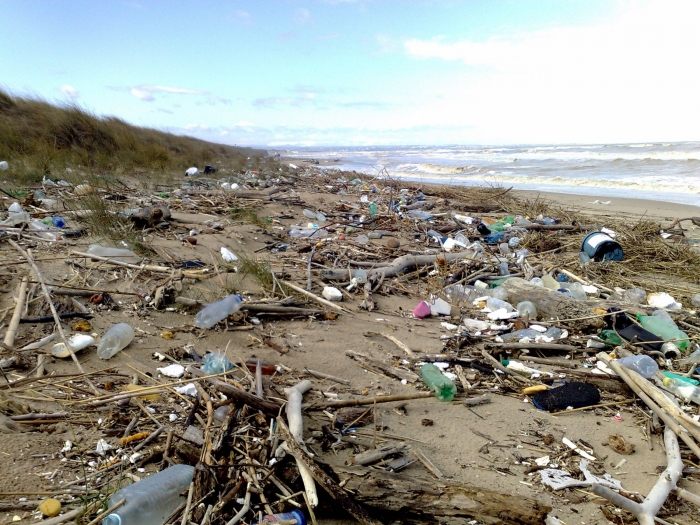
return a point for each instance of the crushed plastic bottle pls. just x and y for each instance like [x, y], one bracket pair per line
[151, 500]
[496, 304]
[682, 389]
[215, 363]
[58, 221]
[307, 232]
[212, 314]
[114, 340]
[117, 254]
[442, 385]
[642, 364]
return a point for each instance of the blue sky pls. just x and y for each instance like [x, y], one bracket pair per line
[344, 72]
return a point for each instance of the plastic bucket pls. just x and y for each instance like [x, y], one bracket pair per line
[600, 246]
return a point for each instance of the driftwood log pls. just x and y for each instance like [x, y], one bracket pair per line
[392, 269]
[551, 304]
[432, 500]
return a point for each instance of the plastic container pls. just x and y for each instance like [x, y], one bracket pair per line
[421, 310]
[211, 315]
[215, 363]
[644, 365]
[58, 221]
[151, 500]
[440, 307]
[683, 389]
[527, 308]
[296, 515]
[118, 254]
[307, 232]
[114, 340]
[664, 330]
[77, 342]
[600, 246]
[442, 385]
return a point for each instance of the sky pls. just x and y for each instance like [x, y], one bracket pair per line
[291, 73]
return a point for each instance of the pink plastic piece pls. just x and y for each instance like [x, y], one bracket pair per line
[422, 310]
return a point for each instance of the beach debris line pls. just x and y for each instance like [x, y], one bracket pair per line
[486, 301]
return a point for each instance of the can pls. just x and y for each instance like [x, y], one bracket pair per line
[600, 246]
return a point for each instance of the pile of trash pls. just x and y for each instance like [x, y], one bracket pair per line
[528, 303]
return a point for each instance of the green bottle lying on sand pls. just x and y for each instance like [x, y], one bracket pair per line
[664, 330]
[443, 386]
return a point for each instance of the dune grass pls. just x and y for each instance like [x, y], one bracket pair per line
[38, 138]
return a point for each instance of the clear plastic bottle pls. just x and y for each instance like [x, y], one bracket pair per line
[496, 304]
[442, 385]
[151, 500]
[39, 229]
[503, 269]
[644, 365]
[683, 389]
[309, 214]
[211, 315]
[519, 335]
[526, 308]
[664, 330]
[307, 232]
[499, 293]
[695, 300]
[118, 254]
[115, 339]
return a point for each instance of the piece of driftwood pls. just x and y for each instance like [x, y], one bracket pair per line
[380, 367]
[267, 407]
[399, 496]
[17, 315]
[392, 269]
[553, 347]
[373, 455]
[370, 400]
[329, 485]
[552, 304]
[475, 401]
[393, 339]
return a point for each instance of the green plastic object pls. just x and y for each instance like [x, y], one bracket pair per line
[610, 337]
[442, 385]
[688, 380]
[664, 330]
[373, 210]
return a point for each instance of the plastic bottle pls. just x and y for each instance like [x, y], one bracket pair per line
[693, 358]
[554, 332]
[151, 500]
[695, 300]
[503, 268]
[77, 342]
[518, 335]
[499, 293]
[527, 308]
[458, 293]
[211, 315]
[420, 214]
[215, 363]
[309, 214]
[360, 276]
[584, 257]
[504, 248]
[58, 221]
[114, 340]
[550, 282]
[39, 229]
[39, 195]
[664, 330]
[644, 365]
[307, 232]
[496, 304]
[284, 516]
[663, 314]
[682, 389]
[443, 386]
[118, 254]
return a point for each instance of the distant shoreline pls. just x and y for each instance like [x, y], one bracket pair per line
[620, 206]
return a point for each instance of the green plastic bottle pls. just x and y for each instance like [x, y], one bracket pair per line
[664, 330]
[610, 337]
[443, 386]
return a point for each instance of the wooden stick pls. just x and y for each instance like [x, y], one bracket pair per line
[147, 267]
[316, 298]
[322, 375]
[17, 315]
[108, 511]
[612, 404]
[337, 493]
[65, 517]
[370, 400]
[57, 319]
[393, 339]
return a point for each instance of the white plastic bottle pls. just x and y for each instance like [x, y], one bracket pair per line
[151, 500]
[114, 340]
[210, 315]
[118, 254]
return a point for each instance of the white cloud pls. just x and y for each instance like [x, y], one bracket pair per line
[302, 16]
[630, 76]
[69, 91]
[243, 16]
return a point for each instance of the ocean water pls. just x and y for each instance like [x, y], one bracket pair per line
[664, 171]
